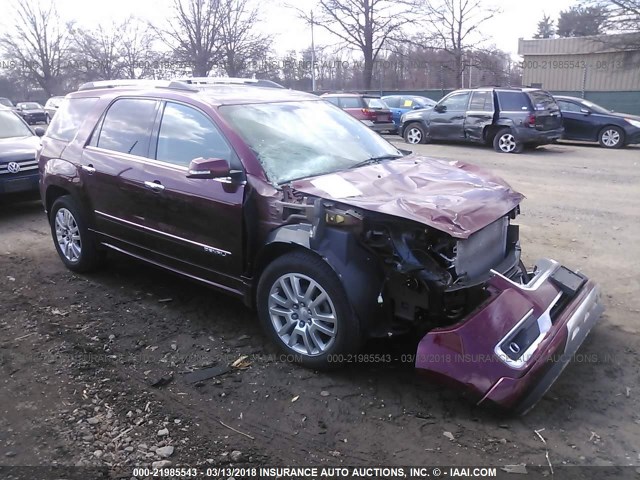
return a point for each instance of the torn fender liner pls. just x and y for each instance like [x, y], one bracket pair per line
[450, 196]
[511, 350]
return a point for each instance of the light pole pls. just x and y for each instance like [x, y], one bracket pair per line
[313, 58]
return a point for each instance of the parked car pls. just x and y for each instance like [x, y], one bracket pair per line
[586, 121]
[31, 112]
[508, 118]
[329, 231]
[51, 107]
[369, 109]
[18, 145]
[400, 104]
[5, 102]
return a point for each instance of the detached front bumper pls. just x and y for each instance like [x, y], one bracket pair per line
[515, 345]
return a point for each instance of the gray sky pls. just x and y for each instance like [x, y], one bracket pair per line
[518, 18]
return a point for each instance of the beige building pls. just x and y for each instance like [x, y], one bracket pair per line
[600, 63]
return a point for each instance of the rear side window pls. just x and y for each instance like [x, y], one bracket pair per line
[350, 102]
[393, 102]
[333, 100]
[186, 133]
[513, 102]
[482, 101]
[374, 103]
[127, 126]
[69, 118]
[542, 100]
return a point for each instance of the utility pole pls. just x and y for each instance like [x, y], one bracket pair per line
[313, 58]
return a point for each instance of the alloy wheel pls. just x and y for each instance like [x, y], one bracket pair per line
[507, 143]
[302, 314]
[414, 135]
[610, 138]
[68, 235]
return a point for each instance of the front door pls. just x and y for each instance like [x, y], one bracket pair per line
[446, 121]
[196, 221]
[576, 121]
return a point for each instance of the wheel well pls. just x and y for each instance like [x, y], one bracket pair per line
[53, 193]
[490, 132]
[609, 126]
[268, 254]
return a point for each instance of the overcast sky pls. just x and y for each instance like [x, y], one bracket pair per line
[518, 18]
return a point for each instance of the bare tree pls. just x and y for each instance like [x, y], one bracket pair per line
[362, 25]
[137, 51]
[240, 42]
[39, 42]
[193, 32]
[98, 52]
[622, 16]
[455, 25]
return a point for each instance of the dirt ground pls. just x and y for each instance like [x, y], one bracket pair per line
[95, 368]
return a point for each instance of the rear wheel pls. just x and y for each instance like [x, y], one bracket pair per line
[611, 137]
[414, 134]
[505, 142]
[303, 307]
[74, 243]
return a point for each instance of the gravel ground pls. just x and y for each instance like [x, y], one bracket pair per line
[98, 369]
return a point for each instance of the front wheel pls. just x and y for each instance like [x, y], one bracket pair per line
[505, 142]
[611, 137]
[303, 307]
[414, 134]
[74, 243]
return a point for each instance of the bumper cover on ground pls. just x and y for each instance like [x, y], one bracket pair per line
[511, 350]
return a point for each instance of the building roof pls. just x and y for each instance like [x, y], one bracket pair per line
[580, 45]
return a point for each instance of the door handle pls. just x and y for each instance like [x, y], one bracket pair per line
[155, 186]
[88, 168]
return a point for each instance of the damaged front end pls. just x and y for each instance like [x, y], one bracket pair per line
[502, 333]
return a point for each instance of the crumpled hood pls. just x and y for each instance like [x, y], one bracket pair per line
[451, 196]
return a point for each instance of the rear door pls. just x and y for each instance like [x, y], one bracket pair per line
[195, 223]
[546, 110]
[113, 169]
[480, 115]
[446, 121]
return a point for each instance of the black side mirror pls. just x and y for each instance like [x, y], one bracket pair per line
[585, 111]
[416, 107]
[208, 168]
[39, 131]
[440, 108]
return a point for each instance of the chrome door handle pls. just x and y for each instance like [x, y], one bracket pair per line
[88, 168]
[157, 187]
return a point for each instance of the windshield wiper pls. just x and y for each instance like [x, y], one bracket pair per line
[371, 160]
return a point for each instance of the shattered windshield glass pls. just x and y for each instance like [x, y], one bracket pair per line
[302, 139]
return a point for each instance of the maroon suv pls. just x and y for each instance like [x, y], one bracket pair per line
[334, 236]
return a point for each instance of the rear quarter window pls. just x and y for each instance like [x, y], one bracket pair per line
[513, 102]
[351, 102]
[542, 100]
[69, 117]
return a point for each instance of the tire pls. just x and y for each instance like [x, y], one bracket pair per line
[611, 137]
[505, 142]
[414, 134]
[74, 243]
[285, 317]
[47, 119]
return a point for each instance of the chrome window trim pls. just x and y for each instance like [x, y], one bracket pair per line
[138, 159]
[207, 248]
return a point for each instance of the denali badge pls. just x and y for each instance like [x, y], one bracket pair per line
[13, 167]
[216, 251]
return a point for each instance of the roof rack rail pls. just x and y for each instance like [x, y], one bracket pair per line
[173, 84]
[203, 81]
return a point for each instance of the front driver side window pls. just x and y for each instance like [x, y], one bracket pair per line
[568, 106]
[186, 133]
[457, 102]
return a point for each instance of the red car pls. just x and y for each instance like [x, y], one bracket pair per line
[369, 109]
[330, 232]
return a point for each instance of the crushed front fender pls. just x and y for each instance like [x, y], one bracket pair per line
[510, 350]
